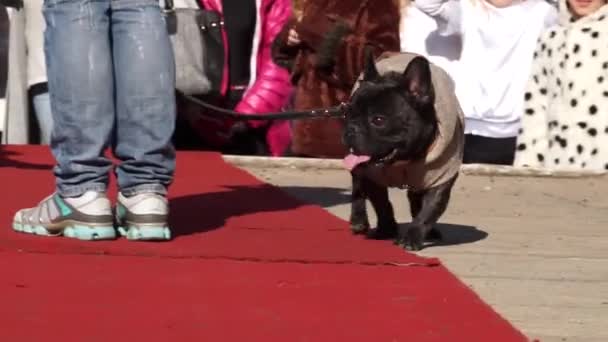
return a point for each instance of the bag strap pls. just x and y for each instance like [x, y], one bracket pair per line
[338, 111]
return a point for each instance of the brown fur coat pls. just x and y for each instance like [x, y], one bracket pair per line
[335, 35]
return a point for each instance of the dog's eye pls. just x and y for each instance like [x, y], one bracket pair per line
[378, 120]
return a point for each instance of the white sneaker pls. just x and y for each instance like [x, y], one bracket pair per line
[87, 217]
[143, 217]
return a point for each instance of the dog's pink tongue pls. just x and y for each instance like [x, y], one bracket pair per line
[351, 161]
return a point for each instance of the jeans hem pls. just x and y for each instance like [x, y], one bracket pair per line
[79, 190]
[144, 188]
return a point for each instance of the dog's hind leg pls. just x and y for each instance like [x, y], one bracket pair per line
[359, 223]
[434, 203]
[387, 225]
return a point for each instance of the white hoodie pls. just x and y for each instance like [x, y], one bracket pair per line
[497, 49]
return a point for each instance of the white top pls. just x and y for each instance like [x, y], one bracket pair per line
[34, 37]
[497, 50]
[419, 34]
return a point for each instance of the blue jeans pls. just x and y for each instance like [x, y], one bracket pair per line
[42, 107]
[111, 80]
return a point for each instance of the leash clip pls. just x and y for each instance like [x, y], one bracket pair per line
[343, 108]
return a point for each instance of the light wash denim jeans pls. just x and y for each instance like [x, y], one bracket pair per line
[111, 79]
[42, 107]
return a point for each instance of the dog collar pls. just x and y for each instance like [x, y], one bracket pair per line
[398, 169]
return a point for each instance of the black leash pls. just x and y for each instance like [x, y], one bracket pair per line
[338, 111]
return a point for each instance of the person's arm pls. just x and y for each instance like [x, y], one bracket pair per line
[447, 13]
[340, 49]
[272, 86]
[552, 18]
[533, 139]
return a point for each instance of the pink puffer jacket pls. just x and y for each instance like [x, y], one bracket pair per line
[270, 87]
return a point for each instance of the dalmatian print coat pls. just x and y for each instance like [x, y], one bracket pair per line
[565, 121]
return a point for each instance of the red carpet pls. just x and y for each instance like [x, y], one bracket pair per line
[248, 263]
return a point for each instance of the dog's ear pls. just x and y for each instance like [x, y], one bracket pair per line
[417, 83]
[370, 73]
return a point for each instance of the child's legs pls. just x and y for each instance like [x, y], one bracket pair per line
[42, 107]
[145, 96]
[484, 150]
[78, 54]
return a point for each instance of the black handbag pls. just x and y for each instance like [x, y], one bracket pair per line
[18, 4]
[198, 47]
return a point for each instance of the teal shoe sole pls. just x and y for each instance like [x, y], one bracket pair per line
[145, 233]
[73, 231]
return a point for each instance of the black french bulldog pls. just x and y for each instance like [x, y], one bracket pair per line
[396, 139]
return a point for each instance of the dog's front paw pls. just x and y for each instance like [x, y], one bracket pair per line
[359, 228]
[411, 238]
[384, 231]
[359, 223]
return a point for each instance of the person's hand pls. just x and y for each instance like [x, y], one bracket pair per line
[238, 128]
[248, 140]
[292, 38]
[18, 4]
